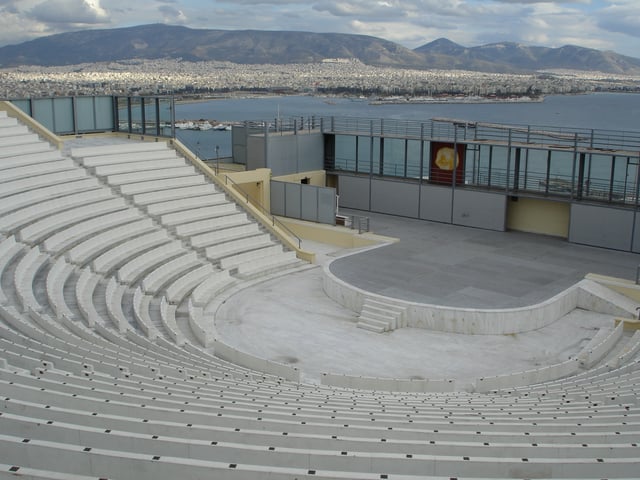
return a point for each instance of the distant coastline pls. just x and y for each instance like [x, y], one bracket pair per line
[392, 100]
[454, 99]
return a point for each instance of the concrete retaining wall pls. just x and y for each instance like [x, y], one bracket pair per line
[584, 294]
[387, 384]
[527, 377]
[246, 360]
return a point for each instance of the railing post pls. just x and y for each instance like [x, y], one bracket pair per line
[638, 275]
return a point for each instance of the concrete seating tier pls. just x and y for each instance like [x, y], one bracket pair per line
[37, 232]
[64, 239]
[186, 283]
[124, 148]
[8, 131]
[14, 150]
[36, 182]
[224, 235]
[122, 252]
[93, 162]
[170, 194]
[225, 249]
[30, 159]
[197, 214]
[166, 272]
[44, 168]
[23, 216]
[128, 167]
[19, 136]
[135, 268]
[164, 184]
[91, 247]
[187, 230]
[150, 175]
[172, 206]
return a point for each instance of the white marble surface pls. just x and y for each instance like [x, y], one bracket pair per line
[291, 320]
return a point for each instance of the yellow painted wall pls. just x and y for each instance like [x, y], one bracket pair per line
[255, 183]
[316, 177]
[538, 216]
[334, 235]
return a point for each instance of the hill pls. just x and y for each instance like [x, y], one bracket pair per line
[509, 57]
[280, 47]
[238, 46]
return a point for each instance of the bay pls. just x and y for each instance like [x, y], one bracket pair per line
[605, 111]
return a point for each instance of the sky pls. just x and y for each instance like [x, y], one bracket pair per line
[601, 24]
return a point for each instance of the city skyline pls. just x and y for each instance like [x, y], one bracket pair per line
[601, 24]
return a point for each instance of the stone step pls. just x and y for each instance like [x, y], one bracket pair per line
[370, 327]
[384, 306]
[389, 319]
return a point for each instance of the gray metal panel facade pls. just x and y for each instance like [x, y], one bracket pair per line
[479, 209]
[636, 235]
[309, 203]
[295, 153]
[305, 202]
[277, 198]
[394, 198]
[354, 192]
[327, 205]
[435, 203]
[239, 144]
[310, 152]
[282, 155]
[292, 200]
[255, 145]
[601, 226]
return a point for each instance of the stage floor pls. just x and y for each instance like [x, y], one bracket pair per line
[290, 319]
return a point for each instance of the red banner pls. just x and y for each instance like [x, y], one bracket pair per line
[444, 163]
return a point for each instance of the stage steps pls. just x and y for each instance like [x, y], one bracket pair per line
[379, 316]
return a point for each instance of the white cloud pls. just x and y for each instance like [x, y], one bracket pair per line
[172, 15]
[69, 12]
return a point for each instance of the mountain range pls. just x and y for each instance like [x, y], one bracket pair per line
[280, 47]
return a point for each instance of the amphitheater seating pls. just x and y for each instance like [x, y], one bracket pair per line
[101, 376]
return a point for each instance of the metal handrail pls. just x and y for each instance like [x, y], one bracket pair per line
[256, 204]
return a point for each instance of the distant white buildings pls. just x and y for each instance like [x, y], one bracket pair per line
[331, 75]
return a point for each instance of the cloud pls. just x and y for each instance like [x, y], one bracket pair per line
[621, 18]
[172, 15]
[69, 12]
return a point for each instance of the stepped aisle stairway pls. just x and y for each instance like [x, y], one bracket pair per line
[97, 381]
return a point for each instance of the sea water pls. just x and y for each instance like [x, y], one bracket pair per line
[606, 111]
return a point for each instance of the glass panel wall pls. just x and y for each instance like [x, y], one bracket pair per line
[104, 113]
[42, 112]
[86, 113]
[426, 155]
[560, 173]
[413, 158]
[137, 117]
[345, 152]
[375, 168]
[123, 114]
[394, 157]
[165, 106]
[63, 116]
[364, 154]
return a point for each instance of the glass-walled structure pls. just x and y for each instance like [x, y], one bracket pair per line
[91, 114]
[575, 164]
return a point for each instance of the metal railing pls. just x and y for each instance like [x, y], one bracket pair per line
[468, 132]
[263, 210]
